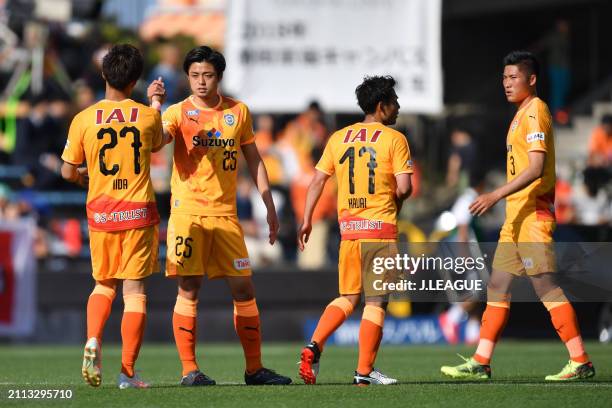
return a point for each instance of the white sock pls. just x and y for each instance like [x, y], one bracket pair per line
[472, 331]
[456, 314]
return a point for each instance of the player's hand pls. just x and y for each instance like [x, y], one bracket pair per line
[273, 225]
[156, 92]
[483, 203]
[304, 235]
[83, 179]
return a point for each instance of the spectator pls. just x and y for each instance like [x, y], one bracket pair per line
[39, 141]
[5, 196]
[564, 206]
[301, 137]
[462, 157]
[592, 204]
[314, 255]
[600, 144]
[266, 144]
[169, 69]
[252, 216]
[557, 47]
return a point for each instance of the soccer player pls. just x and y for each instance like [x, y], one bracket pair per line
[525, 242]
[373, 167]
[116, 137]
[204, 235]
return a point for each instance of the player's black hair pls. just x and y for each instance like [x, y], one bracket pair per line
[205, 54]
[526, 61]
[374, 89]
[122, 65]
[606, 119]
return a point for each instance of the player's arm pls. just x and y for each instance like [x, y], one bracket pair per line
[75, 174]
[258, 171]
[403, 189]
[312, 197]
[533, 172]
[156, 92]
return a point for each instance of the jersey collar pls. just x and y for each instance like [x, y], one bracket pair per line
[216, 107]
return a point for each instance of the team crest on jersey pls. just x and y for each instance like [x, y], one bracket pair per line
[194, 112]
[229, 119]
[514, 125]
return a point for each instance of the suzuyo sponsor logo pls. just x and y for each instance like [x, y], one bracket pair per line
[242, 263]
[213, 139]
[214, 133]
[229, 119]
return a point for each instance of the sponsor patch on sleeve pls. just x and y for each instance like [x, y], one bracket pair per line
[534, 137]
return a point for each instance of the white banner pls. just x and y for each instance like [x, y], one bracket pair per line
[282, 54]
[17, 279]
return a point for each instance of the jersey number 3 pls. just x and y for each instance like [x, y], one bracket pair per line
[136, 145]
[349, 155]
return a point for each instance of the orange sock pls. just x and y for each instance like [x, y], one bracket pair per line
[565, 322]
[494, 320]
[334, 315]
[246, 323]
[184, 327]
[370, 335]
[98, 309]
[132, 330]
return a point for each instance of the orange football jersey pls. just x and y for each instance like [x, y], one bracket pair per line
[116, 139]
[206, 154]
[365, 158]
[531, 130]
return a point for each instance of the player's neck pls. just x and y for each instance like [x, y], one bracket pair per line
[116, 95]
[525, 102]
[210, 102]
[371, 118]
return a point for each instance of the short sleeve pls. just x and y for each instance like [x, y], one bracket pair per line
[73, 152]
[326, 162]
[247, 135]
[539, 124]
[171, 119]
[400, 156]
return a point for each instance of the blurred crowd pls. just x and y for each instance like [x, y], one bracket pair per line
[35, 115]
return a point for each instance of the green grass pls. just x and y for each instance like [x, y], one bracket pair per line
[518, 372]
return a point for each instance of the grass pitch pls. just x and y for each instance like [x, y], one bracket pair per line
[518, 372]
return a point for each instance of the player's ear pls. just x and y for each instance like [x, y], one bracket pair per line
[533, 79]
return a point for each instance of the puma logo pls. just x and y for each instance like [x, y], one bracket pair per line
[180, 263]
[193, 119]
[187, 330]
[256, 328]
